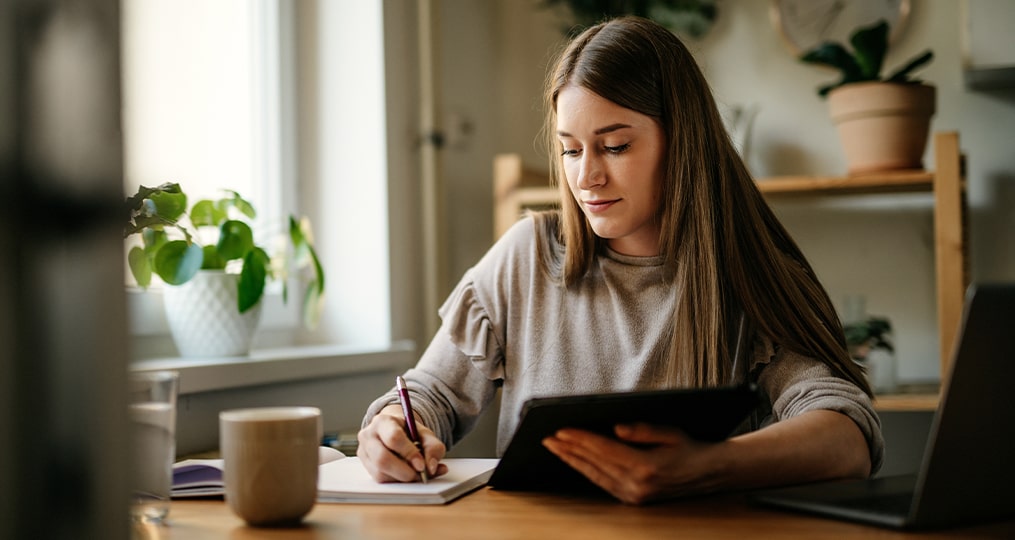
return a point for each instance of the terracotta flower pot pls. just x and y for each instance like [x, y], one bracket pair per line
[882, 126]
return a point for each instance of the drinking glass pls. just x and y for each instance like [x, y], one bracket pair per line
[152, 413]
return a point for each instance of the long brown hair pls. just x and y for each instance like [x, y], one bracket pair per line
[726, 251]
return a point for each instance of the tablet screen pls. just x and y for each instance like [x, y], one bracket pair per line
[704, 414]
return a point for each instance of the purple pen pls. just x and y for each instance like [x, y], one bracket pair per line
[410, 421]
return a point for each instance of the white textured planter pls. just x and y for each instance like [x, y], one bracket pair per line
[881, 370]
[204, 319]
[882, 126]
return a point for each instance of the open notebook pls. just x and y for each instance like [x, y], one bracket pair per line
[344, 480]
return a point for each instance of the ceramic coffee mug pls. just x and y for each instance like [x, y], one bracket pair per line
[271, 461]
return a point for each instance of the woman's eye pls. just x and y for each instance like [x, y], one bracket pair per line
[567, 152]
[618, 149]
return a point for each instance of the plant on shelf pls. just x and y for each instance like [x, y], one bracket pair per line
[866, 335]
[869, 344]
[870, 45]
[178, 243]
[883, 122]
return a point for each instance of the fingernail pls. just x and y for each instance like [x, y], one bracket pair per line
[418, 463]
[432, 466]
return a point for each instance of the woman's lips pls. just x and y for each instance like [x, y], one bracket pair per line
[600, 205]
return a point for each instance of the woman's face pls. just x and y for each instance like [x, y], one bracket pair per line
[613, 160]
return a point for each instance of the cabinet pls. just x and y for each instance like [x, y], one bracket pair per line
[517, 187]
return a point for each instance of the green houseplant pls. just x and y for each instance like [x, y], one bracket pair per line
[883, 120]
[864, 63]
[178, 242]
[866, 335]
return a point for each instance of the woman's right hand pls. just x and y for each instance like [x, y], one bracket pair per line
[390, 456]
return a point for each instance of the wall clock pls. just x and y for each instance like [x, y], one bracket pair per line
[806, 23]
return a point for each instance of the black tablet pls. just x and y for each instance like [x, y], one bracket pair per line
[704, 414]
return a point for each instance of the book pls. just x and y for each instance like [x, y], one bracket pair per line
[197, 478]
[203, 477]
[345, 480]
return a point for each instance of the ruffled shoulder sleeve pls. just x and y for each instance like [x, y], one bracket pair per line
[470, 328]
[476, 314]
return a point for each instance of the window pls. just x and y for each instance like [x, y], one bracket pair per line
[256, 96]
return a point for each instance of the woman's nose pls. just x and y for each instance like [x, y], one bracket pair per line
[591, 173]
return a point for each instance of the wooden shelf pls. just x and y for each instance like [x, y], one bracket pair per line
[906, 402]
[894, 182]
[915, 397]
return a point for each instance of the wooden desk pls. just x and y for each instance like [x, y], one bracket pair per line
[490, 514]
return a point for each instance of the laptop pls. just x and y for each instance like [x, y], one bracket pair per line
[967, 472]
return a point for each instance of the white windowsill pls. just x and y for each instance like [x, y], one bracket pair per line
[272, 366]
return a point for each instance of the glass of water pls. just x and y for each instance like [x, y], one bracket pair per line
[152, 413]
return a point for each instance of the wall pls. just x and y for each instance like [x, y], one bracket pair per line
[342, 401]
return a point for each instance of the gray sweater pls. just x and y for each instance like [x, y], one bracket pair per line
[508, 326]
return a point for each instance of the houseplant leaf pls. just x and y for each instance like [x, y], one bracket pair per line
[305, 254]
[169, 205]
[242, 205]
[902, 74]
[205, 213]
[177, 261]
[235, 240]
[835, 56]
[212, 260]
[153, 239]
[252, 278]
[869, 46]
[313, 302]
[139, 266]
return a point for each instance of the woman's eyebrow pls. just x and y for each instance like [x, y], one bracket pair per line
[600, 131]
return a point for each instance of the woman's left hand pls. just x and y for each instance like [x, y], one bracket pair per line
[647, 463]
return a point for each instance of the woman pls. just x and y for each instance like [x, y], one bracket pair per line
[662, 249]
